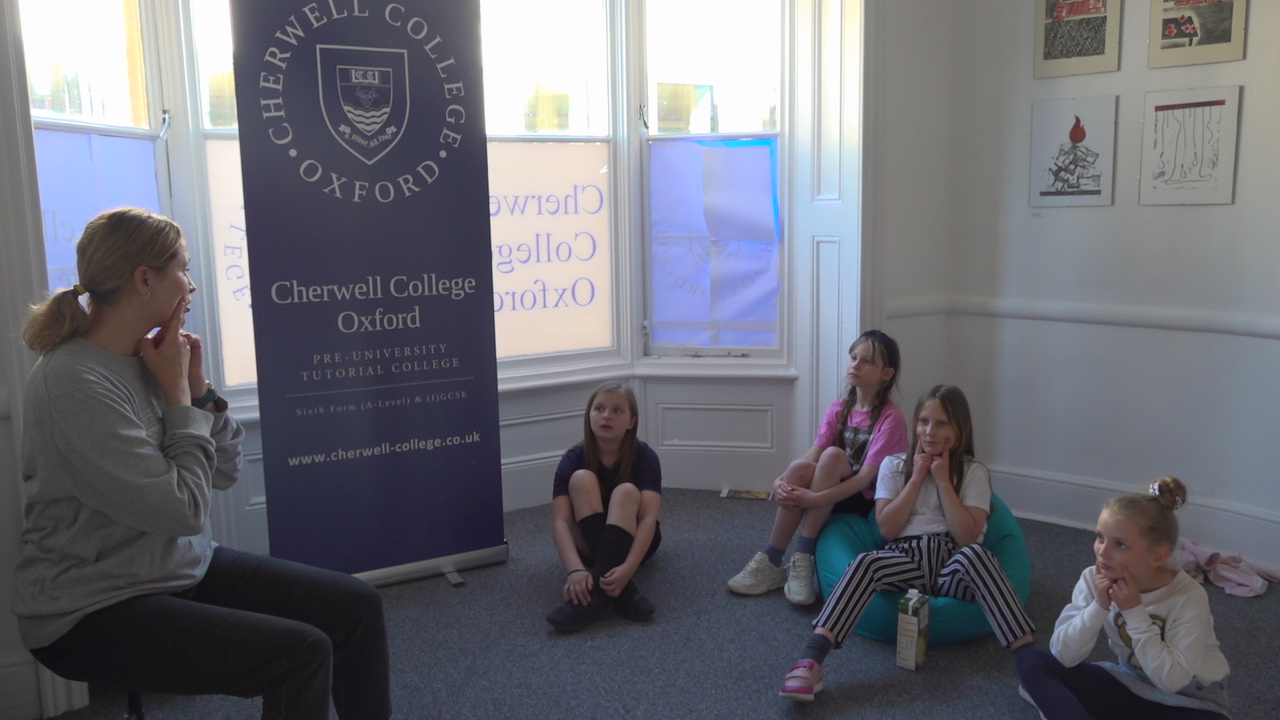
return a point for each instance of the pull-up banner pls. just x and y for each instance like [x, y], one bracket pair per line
[366, 206]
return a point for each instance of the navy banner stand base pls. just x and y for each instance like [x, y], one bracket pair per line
[435, 566]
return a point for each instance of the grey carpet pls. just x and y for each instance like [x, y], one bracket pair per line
[483, 650]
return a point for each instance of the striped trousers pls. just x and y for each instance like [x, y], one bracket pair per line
[934, 565]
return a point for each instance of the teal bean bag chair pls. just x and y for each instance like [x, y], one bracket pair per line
[950, 620]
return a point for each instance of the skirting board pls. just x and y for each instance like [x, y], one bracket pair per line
[23, 681]
[1075, 502]
[19, 693]
[435, 566]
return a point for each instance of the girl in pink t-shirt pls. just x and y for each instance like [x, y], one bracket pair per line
[836, 475]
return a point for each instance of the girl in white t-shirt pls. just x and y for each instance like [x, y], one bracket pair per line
[1156, 619]
[932, 505]
[837, 474]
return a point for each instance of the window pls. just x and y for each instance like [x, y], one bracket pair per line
[582, 188]
[219, 146]
[97, 143]
[547, 104]
[714, 221]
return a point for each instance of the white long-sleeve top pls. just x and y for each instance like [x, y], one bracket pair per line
[1166, 643]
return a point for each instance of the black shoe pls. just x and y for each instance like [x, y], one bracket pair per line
[633, 606]
[571, 617]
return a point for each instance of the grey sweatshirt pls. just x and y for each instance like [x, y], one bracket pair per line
[118, 488]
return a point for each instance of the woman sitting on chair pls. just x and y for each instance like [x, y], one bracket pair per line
[118, 580]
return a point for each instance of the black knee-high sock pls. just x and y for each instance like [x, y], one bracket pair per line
[591, 526]
[615, 543]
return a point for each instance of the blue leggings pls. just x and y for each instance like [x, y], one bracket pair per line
[1088, 692]
[254, 626]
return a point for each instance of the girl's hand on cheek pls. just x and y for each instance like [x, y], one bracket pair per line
[1102, 586]
[921, 464]
[940, 467]
[1124, 593]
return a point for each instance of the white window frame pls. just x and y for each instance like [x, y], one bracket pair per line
[673, 360]
[182, 167]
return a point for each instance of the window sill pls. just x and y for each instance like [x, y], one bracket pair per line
[715, 367]
[244, 400]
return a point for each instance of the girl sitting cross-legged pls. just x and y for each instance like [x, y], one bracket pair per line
[606, 496]
[1156, 619]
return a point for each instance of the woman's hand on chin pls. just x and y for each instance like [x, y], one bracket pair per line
[195, 368]
[167, 353]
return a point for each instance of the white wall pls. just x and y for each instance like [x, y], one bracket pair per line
[1100, 347]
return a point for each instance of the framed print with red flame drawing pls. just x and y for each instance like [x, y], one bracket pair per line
[1073, 147]
[1192, 32]
[1075, 37]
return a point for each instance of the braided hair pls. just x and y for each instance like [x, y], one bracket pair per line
[885, 350]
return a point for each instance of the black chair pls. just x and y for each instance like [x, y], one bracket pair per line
[135, 706]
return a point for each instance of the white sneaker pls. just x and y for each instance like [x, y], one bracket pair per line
[758, 577]
[800, 589]
[1022, 693]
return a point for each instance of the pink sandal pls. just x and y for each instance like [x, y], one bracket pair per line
[803, 682]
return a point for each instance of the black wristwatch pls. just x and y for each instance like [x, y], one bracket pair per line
[219, 405]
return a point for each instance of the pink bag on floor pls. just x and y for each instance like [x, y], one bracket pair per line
[1230, 572]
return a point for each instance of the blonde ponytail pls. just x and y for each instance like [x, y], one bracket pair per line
[113, 244]
[55, 321]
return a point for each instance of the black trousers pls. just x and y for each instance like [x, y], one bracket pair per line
[254, 626]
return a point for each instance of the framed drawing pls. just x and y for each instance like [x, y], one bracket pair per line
[1075, 37]
[1189, 146]
[1191, 32]
[1073, 147]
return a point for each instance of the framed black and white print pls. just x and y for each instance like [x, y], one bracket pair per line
[1076, 37]
[1189, 146]
[1073, 148]
[1193, 32]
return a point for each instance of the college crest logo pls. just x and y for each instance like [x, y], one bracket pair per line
[364, 94]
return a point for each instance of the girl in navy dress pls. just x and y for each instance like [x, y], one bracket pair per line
[605, 502]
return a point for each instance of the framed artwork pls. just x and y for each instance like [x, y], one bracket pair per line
[1191, 32]
[1075, 37]
[1073, 148]
[1189, 146]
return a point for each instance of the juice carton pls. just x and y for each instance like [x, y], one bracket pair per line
[913, 629]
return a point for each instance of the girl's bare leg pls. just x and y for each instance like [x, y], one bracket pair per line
[833, 466]
[799, 473]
